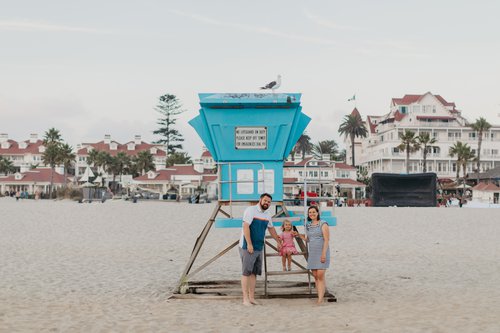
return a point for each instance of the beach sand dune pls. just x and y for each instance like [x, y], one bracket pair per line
[68, 267]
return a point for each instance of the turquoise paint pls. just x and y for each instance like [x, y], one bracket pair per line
[278, 115]
[237, 222]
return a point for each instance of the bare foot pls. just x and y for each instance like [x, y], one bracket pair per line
[247, 303]
[254, 302]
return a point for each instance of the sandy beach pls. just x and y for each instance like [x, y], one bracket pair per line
[69, 267]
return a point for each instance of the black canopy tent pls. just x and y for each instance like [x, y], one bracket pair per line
[412, 190]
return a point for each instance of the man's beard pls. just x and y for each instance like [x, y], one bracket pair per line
[264, 206]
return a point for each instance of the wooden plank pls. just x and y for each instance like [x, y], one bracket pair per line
[279, 255]
[288, 272]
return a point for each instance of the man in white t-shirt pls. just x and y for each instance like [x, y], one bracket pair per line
[256, 220]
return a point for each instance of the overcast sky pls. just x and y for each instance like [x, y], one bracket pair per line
[90, 68]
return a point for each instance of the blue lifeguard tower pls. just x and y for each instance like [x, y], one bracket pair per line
[249, 136]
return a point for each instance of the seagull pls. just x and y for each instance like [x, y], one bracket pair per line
[273, 85]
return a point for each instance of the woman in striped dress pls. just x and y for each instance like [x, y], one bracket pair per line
[318, 237]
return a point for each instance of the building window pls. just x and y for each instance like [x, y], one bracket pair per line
[403, 109]
[416, 108]
[494, 152]
[472, 136]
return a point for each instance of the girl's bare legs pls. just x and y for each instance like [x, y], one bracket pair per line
[283, 261]
[289, 257]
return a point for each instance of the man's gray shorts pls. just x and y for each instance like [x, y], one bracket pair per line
[251, 263]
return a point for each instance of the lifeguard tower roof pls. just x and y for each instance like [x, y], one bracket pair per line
[224, 115]
[250, 135]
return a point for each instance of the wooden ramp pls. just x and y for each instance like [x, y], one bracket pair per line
[231, 289]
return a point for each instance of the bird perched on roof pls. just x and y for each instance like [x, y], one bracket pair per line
[273, 85]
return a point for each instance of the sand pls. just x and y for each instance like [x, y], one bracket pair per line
[69, 267]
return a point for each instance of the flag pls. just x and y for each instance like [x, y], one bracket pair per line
[353, 98]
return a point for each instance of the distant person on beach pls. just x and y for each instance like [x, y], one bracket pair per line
[318, 238]
[18, 195]
[256, 220]
[288, 245]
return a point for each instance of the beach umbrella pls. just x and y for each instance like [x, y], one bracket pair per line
[98, 179]
[87, 175]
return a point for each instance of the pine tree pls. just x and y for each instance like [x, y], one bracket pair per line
[169, 107]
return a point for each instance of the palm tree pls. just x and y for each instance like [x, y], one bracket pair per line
[102, 161]
[144, 162]
[409, 143]
[458, 150]
[6, 166]
[52, 136]
[480, 126]
[92, 158]
[326, 147]
[67, 158]
[342, 156]
[52, 154]
[178, 158]
[425, 141]
[467, 156]
[117, 166]
[304, 145]
[353, 126]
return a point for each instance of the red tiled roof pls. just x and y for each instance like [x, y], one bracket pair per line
[339, 165]
[39, 175]
[486, 187]
[371, 124]
[209, 178]
[289, 163]
[304, 161]
[444, 102]
[435, 117]
[398, 116]
[206, 153]
[406, 100]
[31, 148]
[101, 146]
[409, 99]
[348, 181]
[355, 112]
[185, 170]
[166, 174]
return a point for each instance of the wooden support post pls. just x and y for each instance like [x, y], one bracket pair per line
[190, 275]
[197, 246]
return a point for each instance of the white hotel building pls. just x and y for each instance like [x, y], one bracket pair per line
[429, 113]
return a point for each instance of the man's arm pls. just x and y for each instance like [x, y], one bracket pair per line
[246, 234]
[274, 234]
